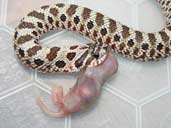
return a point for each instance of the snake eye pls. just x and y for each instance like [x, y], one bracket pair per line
[96, 55]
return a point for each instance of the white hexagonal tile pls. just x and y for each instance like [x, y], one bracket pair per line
[17, 9]
[119, 10]
[12, 73]
[108, 112]
[21, 110]
[157, 113]
[138, 79]
[150, 16]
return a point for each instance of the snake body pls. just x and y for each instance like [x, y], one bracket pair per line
[104, 31]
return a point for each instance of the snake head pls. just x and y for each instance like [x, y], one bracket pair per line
[97, 54]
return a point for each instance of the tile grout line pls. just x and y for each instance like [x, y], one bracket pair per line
[14, 92]
[42, 88]
[139, 116]
[120, 95]
[68, 122]
[155, 96]
[7, 29]
[42, 84]
[15, 88]
[162, 91]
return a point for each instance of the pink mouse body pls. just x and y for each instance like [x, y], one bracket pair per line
[84, 92]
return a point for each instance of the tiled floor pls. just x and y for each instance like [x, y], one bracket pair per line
[138, 96]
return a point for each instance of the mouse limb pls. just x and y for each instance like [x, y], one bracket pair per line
[84, 92]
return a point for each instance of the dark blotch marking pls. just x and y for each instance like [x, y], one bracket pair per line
[125, 32]
[28, 62]
[103, 31]
[39, 24]
[71, 10]
[145, 46]
[74, 28]
[99, 19]
[32, 51]
[15, 35]
[63, 26]
[152, 52]
[60, 5]
[121, 46]
[26, 25]
[35, 33]
[113, 46]
[76, 20]
[100, 40]
[130, 43]
[81, 28]
[69, 24]
[54, 11]
[108, 40]
[90, 25]
[126, 52]
[167, 50]
[38, 62]
[95, 33]
[79, 62]
[45, 7]
[57, 23]
[143, 55]
[21, 52]
[37, 15]
[152, 38]
[168, 2]
[112, 26]
[23, 39]
[138, 36]
[63, 17]
[136, 50]
[36, 41]
[164, 36]
[39, 31]
[53, 53]
[47, 27]
[86, 13]
[160, 46]
[60, 63]
[50, 19]
[73, 47]
[117, 37]
[71, 55]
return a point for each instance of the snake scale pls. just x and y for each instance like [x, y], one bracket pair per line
[104, 31]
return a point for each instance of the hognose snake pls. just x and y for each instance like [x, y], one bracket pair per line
[94, 25]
